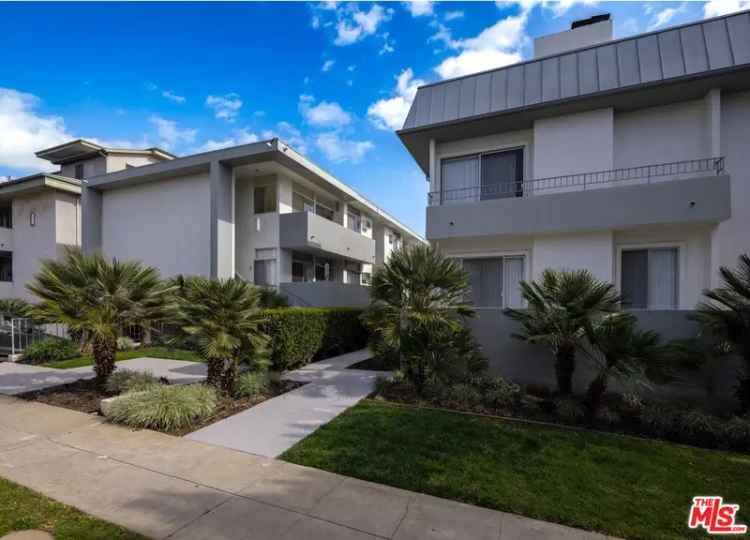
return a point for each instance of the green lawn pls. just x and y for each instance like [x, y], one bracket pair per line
[154, 352]
[618, 485]
[22, 509]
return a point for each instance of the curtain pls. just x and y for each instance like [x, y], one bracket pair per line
[662, 278]
[501, 174]
[459, 179]
[634, 280]
[513, 274]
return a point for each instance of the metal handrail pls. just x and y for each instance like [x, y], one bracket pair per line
[579, 182]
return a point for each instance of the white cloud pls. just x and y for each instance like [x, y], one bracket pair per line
[390, 113]
[355, 25]
[327, 65]
[225, 107]
[323, 114]
[170, 135]
[714, 8]
[387, 44]
[25, 131]
[315, 22]
[173, 97]
[289, 134]
[351, 68]
[496, 46]
[151, 87]
[419, 8]
[241, 136]
[557, 7]
[339, 150]
[443, 35]
[451, 15]
[664, 16]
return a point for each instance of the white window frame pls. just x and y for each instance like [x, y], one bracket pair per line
[681, 267]
[525, 253]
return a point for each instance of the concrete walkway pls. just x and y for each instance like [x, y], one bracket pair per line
[272, 427]
[169, 487]
[20, 378]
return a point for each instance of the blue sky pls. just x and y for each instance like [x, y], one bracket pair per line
[332, 79]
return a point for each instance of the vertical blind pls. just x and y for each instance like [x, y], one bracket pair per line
[459, 178]
[495, 281]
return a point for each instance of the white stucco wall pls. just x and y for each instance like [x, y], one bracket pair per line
[574, 143]
[163, 224]
[675, 132]
[32, 244]
[592, 251]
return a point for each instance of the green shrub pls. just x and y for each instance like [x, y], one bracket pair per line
[659, 419]
[301, 335]
[735, 434]
[252, 383]
[501, 394]
[123, 381]
[608, 416]
[696, 427]
[465, 395]
[630, 406]
[163, 407]
[50, 350]
[570, 409]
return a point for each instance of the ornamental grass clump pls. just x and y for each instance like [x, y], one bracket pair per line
[124, 381]
[165, 408]
[252, 384]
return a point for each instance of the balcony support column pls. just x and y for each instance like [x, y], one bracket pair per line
[221, 180]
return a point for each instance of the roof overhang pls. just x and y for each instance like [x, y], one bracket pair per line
[417, 140]
[81, 149]
[36, 183]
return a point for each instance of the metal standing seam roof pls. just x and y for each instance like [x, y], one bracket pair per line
[688, 50]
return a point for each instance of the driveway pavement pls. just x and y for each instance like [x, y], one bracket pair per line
[169, 487]
[18, 378]
[274, 426]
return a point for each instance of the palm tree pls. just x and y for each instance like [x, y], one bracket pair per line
[96, 298]
[417, 301]
[561, 306]
[225, 319]
[14, 307]
[725, 317]
[622, 351]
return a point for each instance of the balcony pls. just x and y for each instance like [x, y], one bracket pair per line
[692, 191]
[304, 231]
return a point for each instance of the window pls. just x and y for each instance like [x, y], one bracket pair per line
[6, 266]
[495, 281]
[354, 219]
[264, 199]
[353, 272]
[366, 279]
[494, 175]
[265, 272]
[32, 218]
[6, 215]
[395, 240]
[79, 171]
[323, 211]
[303, 268]
[650, 278]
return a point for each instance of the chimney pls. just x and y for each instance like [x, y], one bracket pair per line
[582, 33]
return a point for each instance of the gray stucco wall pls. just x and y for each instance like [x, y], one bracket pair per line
[532, 364]
[604, 208]
[325, 294]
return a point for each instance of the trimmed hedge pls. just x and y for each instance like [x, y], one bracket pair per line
[301, 335]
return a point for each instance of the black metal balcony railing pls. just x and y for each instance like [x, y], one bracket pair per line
[644, 174]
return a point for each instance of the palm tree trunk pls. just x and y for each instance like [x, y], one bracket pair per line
[228, 376]
[565, 365]
[595, 392]
[104, 359]
[214, 368]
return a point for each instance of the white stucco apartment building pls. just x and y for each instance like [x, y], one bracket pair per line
[630, 158]
[261, 212]
[40, 214]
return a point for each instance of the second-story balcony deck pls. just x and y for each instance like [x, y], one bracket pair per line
[308, 232]
[678, 192]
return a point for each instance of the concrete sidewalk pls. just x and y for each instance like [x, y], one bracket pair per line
[274, 426]
[18, 378]
[169, 487]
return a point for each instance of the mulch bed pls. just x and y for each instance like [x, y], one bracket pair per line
[84, 396]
